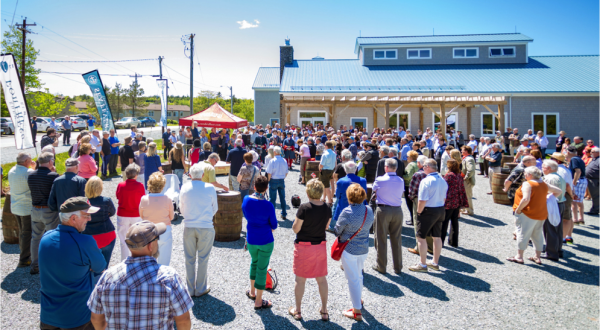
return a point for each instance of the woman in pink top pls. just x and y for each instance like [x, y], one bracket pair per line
[304, 152]
[156, 207]
[87, 164]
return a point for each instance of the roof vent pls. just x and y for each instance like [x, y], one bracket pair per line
[287, 41]
[318, 58]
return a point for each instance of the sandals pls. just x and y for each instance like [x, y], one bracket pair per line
[515, 260]
[264, 305]
[250, 296]
[323, 317]
[354, 316]
[295, 314]
[539, 262]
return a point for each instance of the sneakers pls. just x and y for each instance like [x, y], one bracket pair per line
[569, 240]
[418, 268]
[432, 266]
[24, 264]
[34, 270]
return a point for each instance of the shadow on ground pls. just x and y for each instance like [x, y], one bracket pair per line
[211, 310]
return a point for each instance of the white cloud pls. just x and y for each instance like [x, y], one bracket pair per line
[247, 25]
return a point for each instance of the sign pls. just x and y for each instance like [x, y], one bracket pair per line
[15, 101]
[92, 78]
[162, 85]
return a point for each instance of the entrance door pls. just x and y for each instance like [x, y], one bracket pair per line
[310, 117]
[358, 123]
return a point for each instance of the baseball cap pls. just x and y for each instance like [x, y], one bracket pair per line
[74, 204]
[71, 162]
[143, 232]
[524, 139]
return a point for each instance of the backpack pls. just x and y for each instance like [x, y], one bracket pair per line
[296, 201]
[271, 280]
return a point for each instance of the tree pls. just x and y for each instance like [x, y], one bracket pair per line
[46, 104]
[244, 108]
[116, 100]
[12, 42]
[134, 99]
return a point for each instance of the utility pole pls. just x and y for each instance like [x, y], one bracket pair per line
[134, 95]
[23, 28]
[192, 74]
[231, 96]
[160, 58]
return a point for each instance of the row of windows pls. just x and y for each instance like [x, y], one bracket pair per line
[425, 53]
[169, 113]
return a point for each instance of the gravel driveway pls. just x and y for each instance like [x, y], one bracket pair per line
[476, 287]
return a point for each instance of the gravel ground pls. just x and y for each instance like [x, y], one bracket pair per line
[476, 287]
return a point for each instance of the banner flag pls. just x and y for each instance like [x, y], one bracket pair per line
[162, 84]
[92, 78]
[15, 101]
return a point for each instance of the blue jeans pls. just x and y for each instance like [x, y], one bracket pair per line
[107, 251]
[105, 162]
[333, 221]
[278, 186]
[244, 193]
[179, 173]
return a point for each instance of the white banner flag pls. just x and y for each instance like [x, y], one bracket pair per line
[15, 101]
[162, 84]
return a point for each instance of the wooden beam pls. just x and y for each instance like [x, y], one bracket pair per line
[386, 117]
[443, 118]
[346, 107]
[375, 107]
[398, 108]
[356, 100]
[363, 104]
[288, 112]
[374, 117]
[456, 107]
[501, 118]
[492, 112]
[435, 113]
[468, 122]
[332, 115]
[421, 119]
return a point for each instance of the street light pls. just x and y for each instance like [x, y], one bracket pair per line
[231, 93]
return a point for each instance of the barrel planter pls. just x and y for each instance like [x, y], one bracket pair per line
[500, 197]
[228, 219]
[10, 227]
[312, 166]
[166, 166]
[506, 159]
[222, 168]
[511, 166]
[308, 175]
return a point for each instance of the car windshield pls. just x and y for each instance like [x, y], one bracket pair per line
[6, 120]
[128, 119]
[141, 118]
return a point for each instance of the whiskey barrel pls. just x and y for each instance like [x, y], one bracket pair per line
[10, 227]
[308, 175]
[312, 166]
[222, 168]
[166, 166]
[511, 166]
[506, 159]
[228, 219]
[500, 197]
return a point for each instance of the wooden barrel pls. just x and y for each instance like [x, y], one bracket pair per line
[166, 166]
[10, 227]
[312, 166]
[500, 197]
[308, 174]
[511, 166]
[506, 159]
[228, 220]
[222, 168]
[369, 191]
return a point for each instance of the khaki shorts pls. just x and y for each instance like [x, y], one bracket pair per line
[567, 214]
[325, 177]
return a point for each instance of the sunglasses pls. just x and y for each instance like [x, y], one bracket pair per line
[156, 239]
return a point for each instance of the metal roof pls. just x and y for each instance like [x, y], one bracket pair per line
[433, 39]
[543, 74]
[267, 78]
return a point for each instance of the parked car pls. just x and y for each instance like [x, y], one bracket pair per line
[43, 123]
[7, 126]
[127, 122]
[147, 122]
[77, 122]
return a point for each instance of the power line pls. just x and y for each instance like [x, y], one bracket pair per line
[114, 61]
[104, 74]
[79, 82]
[187, 77]
[13, 18]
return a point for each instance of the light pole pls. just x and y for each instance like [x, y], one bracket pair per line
[231, 96]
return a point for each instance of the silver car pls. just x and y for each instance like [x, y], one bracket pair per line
[127, 122]
[7, 126]
[43, 123]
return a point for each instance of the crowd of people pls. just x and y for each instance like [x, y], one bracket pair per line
[359, 186]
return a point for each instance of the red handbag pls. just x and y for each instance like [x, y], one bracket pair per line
[337, 248]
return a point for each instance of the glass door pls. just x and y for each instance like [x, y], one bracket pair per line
[359, 123]
[314, 118]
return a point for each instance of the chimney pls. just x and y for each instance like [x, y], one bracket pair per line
[286, 56]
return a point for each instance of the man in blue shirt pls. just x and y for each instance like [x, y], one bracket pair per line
[235, 157]
[69, 265]
[114, 153]
[353, 148]
[277, 171]
[67, 185]
[90, 123]
[326, 171]
[34, 128]
[495, 162]
[67, 126]
[404, 149]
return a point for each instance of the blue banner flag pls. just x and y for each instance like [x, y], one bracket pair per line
[92, 78]
[163, 85]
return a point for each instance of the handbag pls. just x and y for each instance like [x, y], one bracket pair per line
[337, 248]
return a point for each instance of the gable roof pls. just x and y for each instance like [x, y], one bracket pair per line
[543, 74]
[433, 39]
[267, 78]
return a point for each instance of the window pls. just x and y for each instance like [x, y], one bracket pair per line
[312, 117]
[385, 54]
[502, 51]
[451, 122]
[418, 53]
[181, 114]
[489, 123]
[466, 52]
[150, 113]
[400, 119]
[169, 114]
[359, 123]
[546, 122]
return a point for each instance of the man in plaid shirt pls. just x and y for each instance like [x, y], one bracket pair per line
[413, 194]
[139, 293]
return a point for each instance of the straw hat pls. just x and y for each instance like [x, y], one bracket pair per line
[558, 156]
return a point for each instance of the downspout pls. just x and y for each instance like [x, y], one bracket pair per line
[510, 110]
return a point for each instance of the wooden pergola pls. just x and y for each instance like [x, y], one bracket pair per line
[382, 104]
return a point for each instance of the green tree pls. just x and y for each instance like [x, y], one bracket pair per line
[244, 108]
[12, 42]
[116, 100]
[134, 98]
[46, 104]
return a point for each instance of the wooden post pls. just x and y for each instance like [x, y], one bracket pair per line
[374, 119]
[387, 116]
[421, 120]
[468, 121]
[443, 118]
[501, 127]
[332, 116]
[288, 112]
[281, 111]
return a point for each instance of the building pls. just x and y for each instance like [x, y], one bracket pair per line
[478, 83]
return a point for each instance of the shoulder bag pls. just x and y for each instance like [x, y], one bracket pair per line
[337, 248]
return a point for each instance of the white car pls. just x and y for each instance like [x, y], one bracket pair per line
[127, 122]
[76, 123]
[7, 126]
[43, 123]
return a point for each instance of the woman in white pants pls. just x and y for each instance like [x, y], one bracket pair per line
[129, 193]
[356, 218]
[156, 207]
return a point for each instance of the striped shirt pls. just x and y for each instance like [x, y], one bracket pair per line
[140, 294]
[20, 195]
[40, 183]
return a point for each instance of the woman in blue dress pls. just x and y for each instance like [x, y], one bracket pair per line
[151, 163]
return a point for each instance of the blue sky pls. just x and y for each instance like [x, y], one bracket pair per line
[229, 55]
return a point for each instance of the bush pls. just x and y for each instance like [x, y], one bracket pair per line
[172, 121]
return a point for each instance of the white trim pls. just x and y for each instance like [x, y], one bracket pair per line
[323, 111]
[384, 54]
[456, 128]
[398, 119]
[366, 121]
[444, 44]
[484, 113]
[455, 93]
[502, 48]
[557, 114]
[465, 49]
[419, 50]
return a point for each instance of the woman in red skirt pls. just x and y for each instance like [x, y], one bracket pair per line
[310, 247]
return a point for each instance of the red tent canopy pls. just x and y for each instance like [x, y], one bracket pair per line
[214, 116]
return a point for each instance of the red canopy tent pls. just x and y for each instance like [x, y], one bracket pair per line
[214, 116]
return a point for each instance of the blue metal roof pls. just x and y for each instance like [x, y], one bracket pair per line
[433, 39]
[543, 74]
[266, 78]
